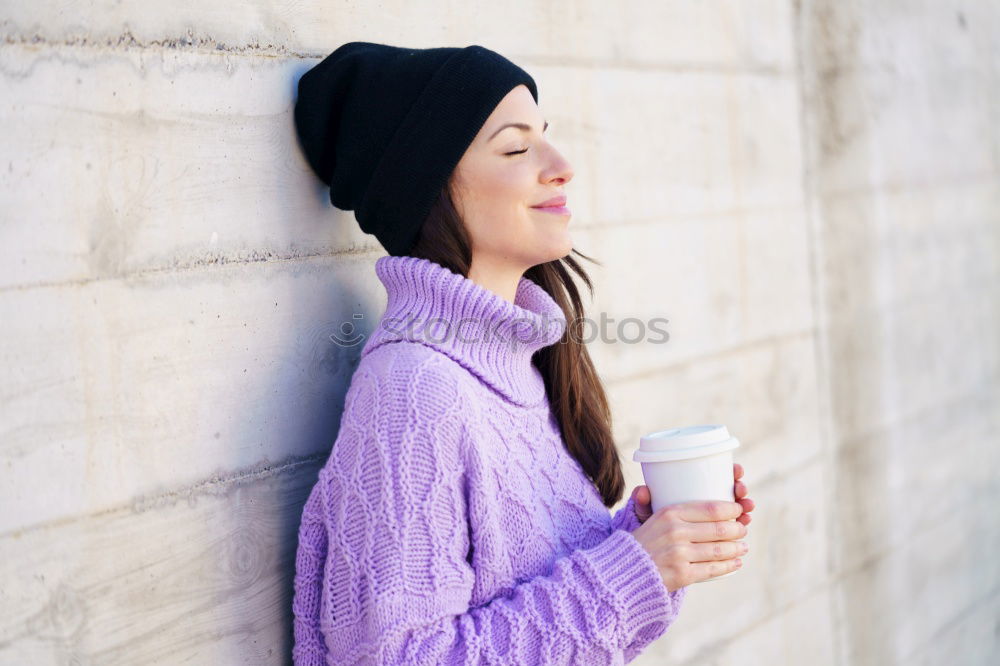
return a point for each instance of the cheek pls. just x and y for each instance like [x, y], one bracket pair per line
[502, 194]
[497, 203]
[508, 187]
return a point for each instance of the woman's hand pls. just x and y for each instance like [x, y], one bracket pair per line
[644, 501]
[693, 541]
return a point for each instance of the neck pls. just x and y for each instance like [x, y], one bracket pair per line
[501, 279]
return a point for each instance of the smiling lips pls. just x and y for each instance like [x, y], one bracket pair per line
[555, 205]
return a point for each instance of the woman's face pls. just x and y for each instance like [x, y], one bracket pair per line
[496, 185]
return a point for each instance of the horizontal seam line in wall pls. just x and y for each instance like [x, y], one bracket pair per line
[889, 548]
[125, 42]
[979, 178]
[850, 441]
[773, 478]
[144, 503]
[674, 67]
[723, 353]
[677, 218]
[191, 266]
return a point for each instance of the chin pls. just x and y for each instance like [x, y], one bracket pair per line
[557, 249]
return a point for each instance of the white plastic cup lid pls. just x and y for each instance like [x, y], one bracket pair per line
[682, 443]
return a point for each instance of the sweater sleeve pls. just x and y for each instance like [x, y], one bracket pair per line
[398, 580]
[625, 518]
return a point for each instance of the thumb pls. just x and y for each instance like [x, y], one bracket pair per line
[641, 500]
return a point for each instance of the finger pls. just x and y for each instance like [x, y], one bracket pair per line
[737, 471]
[740, 489]
[705, 511]
[747, 503]
[723, 530]
[709, 570]
[643, 509]
[718, 550]
[642, 495]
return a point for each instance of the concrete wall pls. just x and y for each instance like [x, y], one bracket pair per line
[902, 127]
[807, 190]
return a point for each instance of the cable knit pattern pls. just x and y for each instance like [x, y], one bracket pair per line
[449, 524]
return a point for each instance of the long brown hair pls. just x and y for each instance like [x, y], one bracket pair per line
[576, 394]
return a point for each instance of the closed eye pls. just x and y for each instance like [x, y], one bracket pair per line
[517, 152]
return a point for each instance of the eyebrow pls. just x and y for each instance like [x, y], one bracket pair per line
[520, 126]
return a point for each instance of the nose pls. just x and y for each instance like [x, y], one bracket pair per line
[559, 169]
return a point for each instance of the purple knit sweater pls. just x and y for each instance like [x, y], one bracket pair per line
[449, 524]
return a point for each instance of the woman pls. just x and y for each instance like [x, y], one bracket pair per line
[462, 514]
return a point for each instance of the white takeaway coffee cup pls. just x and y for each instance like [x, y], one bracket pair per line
[688, 464]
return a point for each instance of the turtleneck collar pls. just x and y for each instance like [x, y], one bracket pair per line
[492, 337]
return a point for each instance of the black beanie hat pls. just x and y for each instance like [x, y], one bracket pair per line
[384, 126]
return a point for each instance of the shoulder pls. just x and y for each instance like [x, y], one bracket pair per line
[408, 382]
[412, 365]
[403, 410]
